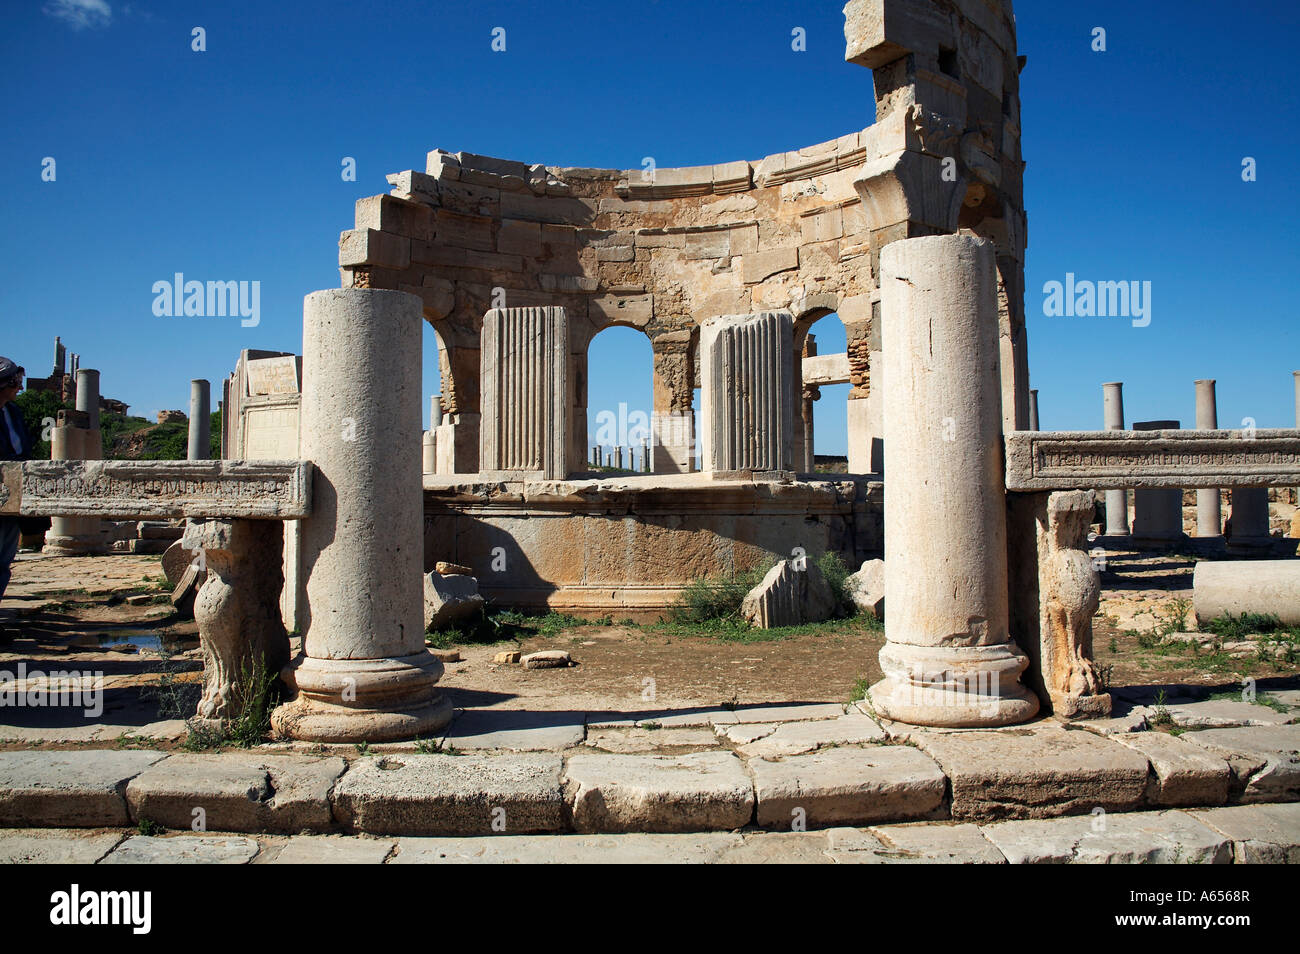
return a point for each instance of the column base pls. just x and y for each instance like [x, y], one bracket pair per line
[363, 700]
[74, 546]
[953, 687]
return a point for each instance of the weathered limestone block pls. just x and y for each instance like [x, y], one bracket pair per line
[748, 395]
[658, 793]
[866, 588]
[525, 392]
[1259, 586]
[238, 609]
[788, 596]
[449, 598]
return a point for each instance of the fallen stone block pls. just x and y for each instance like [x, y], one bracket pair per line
[866, 588]
[452, 569]
[1261, 834]
[445, 655]
[1269, 587]
[547, 659]
[1264, 760]
[187, 589]
[787, 596]
[78, 789]
[1170, 837]
[1181, 773]
[183, 850]
[449, 600]
[507, 658]
[1036, 772]
[451, 795]
[237, 791]
[705, 791]
[848, 786]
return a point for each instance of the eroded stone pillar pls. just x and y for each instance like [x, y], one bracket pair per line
[1157, 513]
[948, 659]
[747, 395]
[238, 609]
[200, 445]
[364, 674]
[76, 436]
[524, 390]
[1209, 511]
[1116, 500]
[672, 421]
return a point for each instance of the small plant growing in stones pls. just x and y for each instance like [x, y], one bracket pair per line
[1162, 716]
[149, 828]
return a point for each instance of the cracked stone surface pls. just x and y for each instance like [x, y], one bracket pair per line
[1171, 837]
[1265, 760]
[793, 738]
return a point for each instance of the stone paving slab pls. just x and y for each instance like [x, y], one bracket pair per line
[1181, 773]
[1225, 713]
[83, 789]
[923, 843]
[719, 716]
[639, 739]
[1265, 760]
[515, 730]
[1261, 834]
[1170, 837]
[329, 850]
[780, 848]
[183, 850]
[632, 849]
[237, 791]
[44, 846]
[794, 738]
[1035, 772]
[704, 791]
[451, 794]
[848, 786]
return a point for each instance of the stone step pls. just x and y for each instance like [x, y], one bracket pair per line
[1243, 834]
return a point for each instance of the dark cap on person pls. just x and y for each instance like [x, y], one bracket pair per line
[8, 369]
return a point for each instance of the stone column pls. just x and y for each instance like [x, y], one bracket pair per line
[76, 436]
[948, 659]
[1033, 409]
[1209, 513]
[1116, 500]
[364, 674]
[524, 393]
[200, 420]
[1157, 514]
[747, 393]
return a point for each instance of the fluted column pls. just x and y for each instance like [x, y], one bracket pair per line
[364, 674]
[747, 397]
[948, 659]
[524, 387]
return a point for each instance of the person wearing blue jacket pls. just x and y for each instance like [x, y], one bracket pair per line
[15, 444]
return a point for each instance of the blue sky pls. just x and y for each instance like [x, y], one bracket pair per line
[225, 165]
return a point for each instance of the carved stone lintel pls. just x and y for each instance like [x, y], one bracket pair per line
[238, 607]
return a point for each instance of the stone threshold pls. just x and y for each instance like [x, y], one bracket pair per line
[1246, 834]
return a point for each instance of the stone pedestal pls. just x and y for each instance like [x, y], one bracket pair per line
[200, 446]
[1054, 593]
[1248, 521]
[364, 674]
[1209, 512]
[1116, 500]
[1157, 514]
[948, 660]
[237, 609]
[747, 395]
[524, 387]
